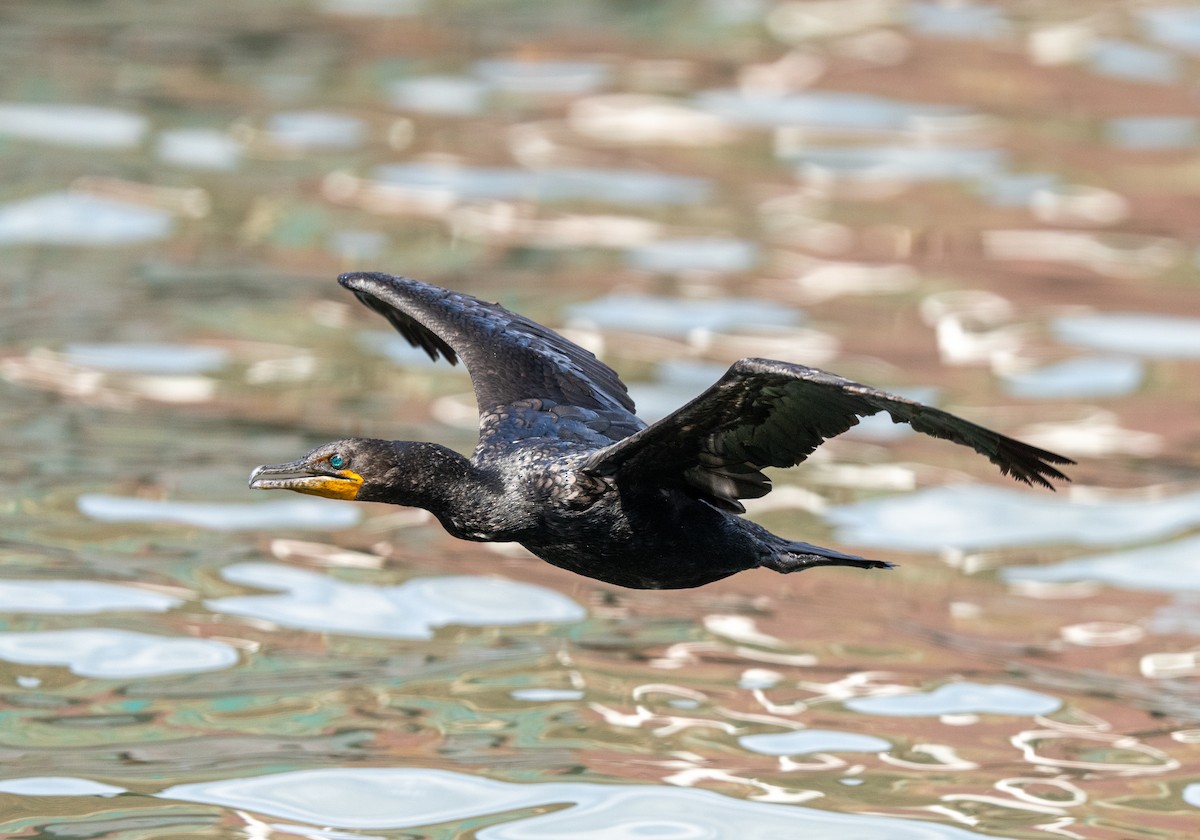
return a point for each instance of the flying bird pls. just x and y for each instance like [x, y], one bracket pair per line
[565, 468]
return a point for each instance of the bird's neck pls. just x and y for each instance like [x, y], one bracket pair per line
[441, 481]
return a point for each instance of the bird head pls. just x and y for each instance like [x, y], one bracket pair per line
[338, 470]
[399, 472]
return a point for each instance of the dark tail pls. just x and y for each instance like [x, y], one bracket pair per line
[792, 556]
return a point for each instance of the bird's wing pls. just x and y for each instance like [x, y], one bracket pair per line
[510, 358]
[764, 413]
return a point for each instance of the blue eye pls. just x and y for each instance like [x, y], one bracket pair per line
[337, 461]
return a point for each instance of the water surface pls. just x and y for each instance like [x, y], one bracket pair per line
[982, 206]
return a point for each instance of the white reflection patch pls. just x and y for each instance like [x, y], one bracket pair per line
[899, 163]
[199, 148]
[408, 797]
[617, 186]
[543, 76]
[289, 513]
[78, 597]
[1092, 376]
[411, 610]
[316, 129]
[819, 109]
[641, 119]
[805, 741]
[695, 254]
[147, 357]
[57, 786]
[1158, 568]
[458, 96]
[72, 125]
[1153, 132]
[671, 316]
[67, 218]
[116, 654]
[1142, 334]
[953, 21]
[546, 695]
[1130, 60]
[981, 516]
[959, 698]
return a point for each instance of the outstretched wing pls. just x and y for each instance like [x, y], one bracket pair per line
[764, 413]
[510, 358]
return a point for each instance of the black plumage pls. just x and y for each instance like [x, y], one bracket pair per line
[564, 467]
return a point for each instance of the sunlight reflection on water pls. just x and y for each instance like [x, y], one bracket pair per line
[201, 148]
[147, 357]
[315, 129]
[116, 654]
[958, 699]
[68, 218]
[412, 610]
[818, 108]
[57, 786]
[812, 741]
[703, 254]
[78, 597]
[75, 125]
[564, 184]
[1169, 567]
[1130, 60]
[227, 516]
[1092, 376]
[982, 516]
[401, 798]
[1143, 334]
[672, 316]
[447, 95]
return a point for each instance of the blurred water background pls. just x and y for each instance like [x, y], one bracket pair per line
[992, 206]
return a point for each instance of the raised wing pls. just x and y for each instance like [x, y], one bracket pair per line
[510, 358]
[764, 413]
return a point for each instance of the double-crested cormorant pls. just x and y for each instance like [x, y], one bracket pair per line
[565, 468]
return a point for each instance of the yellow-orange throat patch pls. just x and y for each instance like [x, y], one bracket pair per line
[343, 486]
